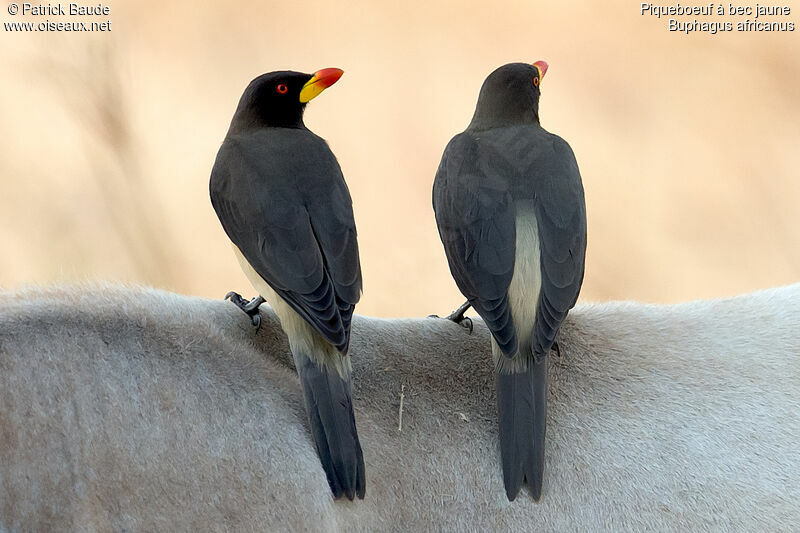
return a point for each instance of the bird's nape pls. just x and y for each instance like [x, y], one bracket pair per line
[509, 96]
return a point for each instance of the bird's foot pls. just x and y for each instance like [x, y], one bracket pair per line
[458, 317]
[250, 308]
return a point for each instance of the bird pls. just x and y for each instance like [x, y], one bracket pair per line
[510, 210]
[281, 197]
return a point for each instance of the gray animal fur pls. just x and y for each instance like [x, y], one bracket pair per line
[140, 410]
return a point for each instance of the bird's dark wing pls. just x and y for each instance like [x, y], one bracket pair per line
[476, 220]
[308, 256]
[561, 215]
[332, 220]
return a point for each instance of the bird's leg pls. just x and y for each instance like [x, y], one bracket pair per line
[253, 305]
[458, 317]
[250, 308]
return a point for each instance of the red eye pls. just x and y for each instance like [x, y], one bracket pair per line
[282, 88]
[536, 81]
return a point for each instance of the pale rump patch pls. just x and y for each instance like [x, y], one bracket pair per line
[523, 293]
[303, 338]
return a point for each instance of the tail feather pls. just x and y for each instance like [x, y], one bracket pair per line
[333, 426]
[522, 408]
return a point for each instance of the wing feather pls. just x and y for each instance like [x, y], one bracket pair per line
[308, 253]
[561, 215]
[476, 221]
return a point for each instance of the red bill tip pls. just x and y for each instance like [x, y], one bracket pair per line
[328, 76]
[542, 66]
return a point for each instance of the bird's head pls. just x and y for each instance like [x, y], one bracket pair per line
[509, 96]
[278, 99]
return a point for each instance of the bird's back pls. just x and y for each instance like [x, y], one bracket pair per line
[283, 159]
[533, 161]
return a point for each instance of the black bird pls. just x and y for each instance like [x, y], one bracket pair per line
[509, 205]
[283, 202]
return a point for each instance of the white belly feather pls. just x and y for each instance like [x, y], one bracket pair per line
[303, 338]
[523, 292]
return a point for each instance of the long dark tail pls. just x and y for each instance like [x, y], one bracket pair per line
[522, 405]
[333, 426]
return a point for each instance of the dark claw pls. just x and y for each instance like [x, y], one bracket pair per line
[253, 305]
[557, 348]
[250, 308]
[458, 317]
[236, 298]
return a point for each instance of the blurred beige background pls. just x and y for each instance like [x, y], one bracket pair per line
[689, 146]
